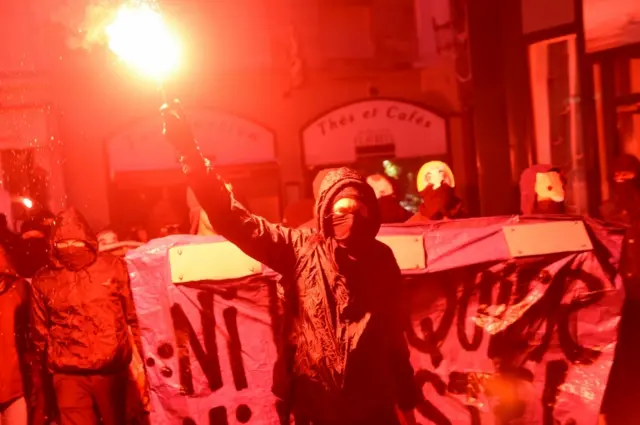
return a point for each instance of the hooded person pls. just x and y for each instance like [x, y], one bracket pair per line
[315, 187]
[624, 204]
[33, 253]
[436, 184]
[390, 209]
[14, 324]
[542, 190]
[346, 357]
[619, 404]
[84, 321]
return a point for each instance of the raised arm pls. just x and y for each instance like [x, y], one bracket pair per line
[271, 244]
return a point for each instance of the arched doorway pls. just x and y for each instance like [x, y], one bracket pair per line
[144, 170]
[377, 136]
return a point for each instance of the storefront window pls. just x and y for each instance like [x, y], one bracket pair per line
[556, 106]
[629, 128]
[603, 151]
[627, 76]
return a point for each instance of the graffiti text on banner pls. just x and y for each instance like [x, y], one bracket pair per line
[527, 341]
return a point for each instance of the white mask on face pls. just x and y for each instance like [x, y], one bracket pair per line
[549, 187]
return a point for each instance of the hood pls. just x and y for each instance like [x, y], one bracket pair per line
[528, 186]
[318, 179]
[336, 180]
[627, 163]
[6, 269]
[71, 225]
[624, 202]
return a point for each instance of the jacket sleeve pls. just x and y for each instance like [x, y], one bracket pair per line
[128, 305]
[39, 331]
[271, 244]
[408, 395]
[39, 320]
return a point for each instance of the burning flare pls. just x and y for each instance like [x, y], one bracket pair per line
[140, 36]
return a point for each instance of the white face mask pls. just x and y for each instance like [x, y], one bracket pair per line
[549, 187]
[434, 174]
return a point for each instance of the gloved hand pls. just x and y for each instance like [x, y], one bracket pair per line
[177, 130]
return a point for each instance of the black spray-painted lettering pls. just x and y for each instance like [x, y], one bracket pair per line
[208, 356]
[186, 337]
[556, 374]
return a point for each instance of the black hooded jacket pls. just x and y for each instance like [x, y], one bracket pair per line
[347, 361]
[14, 320]
[81, 318]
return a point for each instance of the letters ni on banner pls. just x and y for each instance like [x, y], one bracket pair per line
[494, 339]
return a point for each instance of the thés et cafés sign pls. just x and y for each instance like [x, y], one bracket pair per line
[374, 127]
[224, 138]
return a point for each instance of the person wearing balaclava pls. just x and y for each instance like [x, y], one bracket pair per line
[435, 184]
[83, 324]
[541, 190]
[620, 402]
[33, 252]
[624, 205]
[390, 209]
[347, 360]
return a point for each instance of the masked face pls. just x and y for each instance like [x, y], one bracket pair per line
[350, 222]
[74, 255]
[549, 187]
[435, 174]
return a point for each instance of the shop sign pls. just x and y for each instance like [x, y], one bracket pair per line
[224, 138]
[374, 128]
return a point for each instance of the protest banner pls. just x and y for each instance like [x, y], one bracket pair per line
[513, 321]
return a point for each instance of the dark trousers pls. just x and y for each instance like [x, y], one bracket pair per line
[81, 398]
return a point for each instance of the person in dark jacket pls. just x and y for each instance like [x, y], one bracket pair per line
[33, 253]
[14, 321]
[436, 184]
[348, 360]
[542, 190]
[82, 316]
[620, 403]
[625, 191]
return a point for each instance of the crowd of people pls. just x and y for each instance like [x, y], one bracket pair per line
[70, 344]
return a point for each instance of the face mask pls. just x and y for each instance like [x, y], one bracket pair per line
[437, 202]
[349, 229]
[75, 258]
[549, 207]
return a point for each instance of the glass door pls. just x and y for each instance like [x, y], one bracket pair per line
[555, 91]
